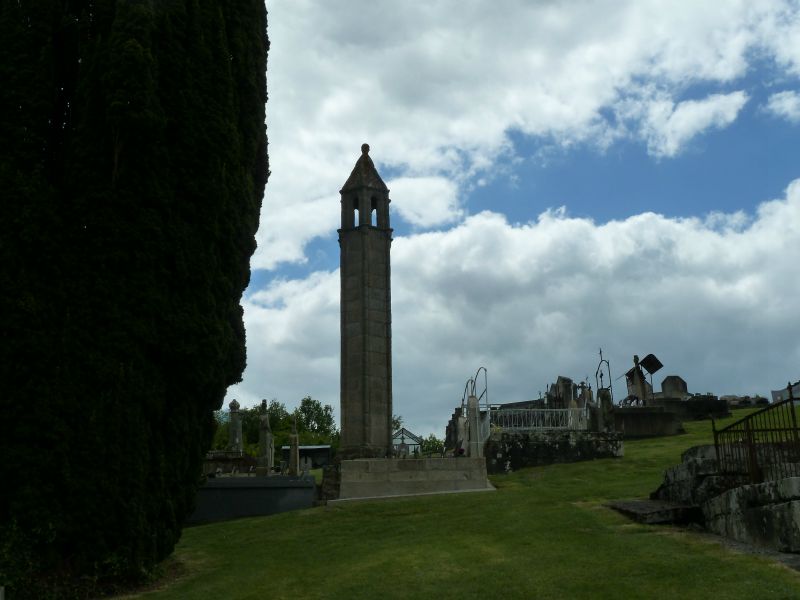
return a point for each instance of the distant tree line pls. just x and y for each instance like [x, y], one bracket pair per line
[432, 445]
[315, 425]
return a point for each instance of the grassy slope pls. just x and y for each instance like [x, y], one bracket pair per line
[543, 534]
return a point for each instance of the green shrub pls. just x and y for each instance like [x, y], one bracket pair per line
[132, 163]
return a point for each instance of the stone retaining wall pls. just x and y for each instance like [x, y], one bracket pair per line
[646, 421]
[766, 514]
[695, 479]
[511, 451]
[224, 498]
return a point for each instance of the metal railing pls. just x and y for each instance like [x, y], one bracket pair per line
[471, 388]
[764, 445]
[540, 419]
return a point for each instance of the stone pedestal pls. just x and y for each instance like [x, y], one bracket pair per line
[235, 442]
[474, 443]
[461, 435]
[294, 455]
[266, 443]
[383, 478]
[266, 459]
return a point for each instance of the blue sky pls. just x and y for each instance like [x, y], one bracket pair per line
[563, 176]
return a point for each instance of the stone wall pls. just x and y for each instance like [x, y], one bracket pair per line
[766, 514]
[225, 498]
[646, 421]
[228, 462]
[695, 408]
[695, 479]
[511, 451]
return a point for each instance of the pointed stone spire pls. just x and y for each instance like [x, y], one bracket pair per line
[364, 174]
[365, 239]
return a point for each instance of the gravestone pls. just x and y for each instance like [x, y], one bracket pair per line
[674, 386]
[605, 418]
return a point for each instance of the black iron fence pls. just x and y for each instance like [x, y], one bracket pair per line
[764, 445]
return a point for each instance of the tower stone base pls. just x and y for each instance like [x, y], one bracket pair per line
[358, 452]
[388, 477]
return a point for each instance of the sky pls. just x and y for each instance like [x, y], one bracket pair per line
[564, 176]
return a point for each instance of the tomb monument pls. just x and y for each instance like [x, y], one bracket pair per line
[365, 467]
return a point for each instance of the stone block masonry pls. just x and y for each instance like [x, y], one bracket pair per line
[366, 314]
[376, 478]
[765, 514]
[224, 498]
[511, 451]
[695, 479]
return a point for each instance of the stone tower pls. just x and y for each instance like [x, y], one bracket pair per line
[366, 313]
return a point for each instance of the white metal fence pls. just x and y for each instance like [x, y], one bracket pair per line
[540, 419]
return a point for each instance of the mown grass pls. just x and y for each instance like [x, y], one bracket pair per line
[543, 534]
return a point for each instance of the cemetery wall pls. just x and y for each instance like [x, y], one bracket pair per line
[765, 514]
[646, 421]
[694, 408]
[224, 498]
[511, 451]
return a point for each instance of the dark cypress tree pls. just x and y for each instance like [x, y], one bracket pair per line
[133, 159]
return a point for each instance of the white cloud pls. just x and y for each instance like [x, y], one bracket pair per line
[780, 31]
[292, 341]
[785, 105]
[715, 299]
[436, 87]
[668, 127]
[425, 201]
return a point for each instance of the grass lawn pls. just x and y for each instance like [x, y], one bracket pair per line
[543, 534]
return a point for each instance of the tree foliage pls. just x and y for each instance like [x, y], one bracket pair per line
[432, 445]
[315, 418]
[132, 163]
[397, 422]
[315, 424]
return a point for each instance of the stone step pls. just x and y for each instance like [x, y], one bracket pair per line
[657, 512]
